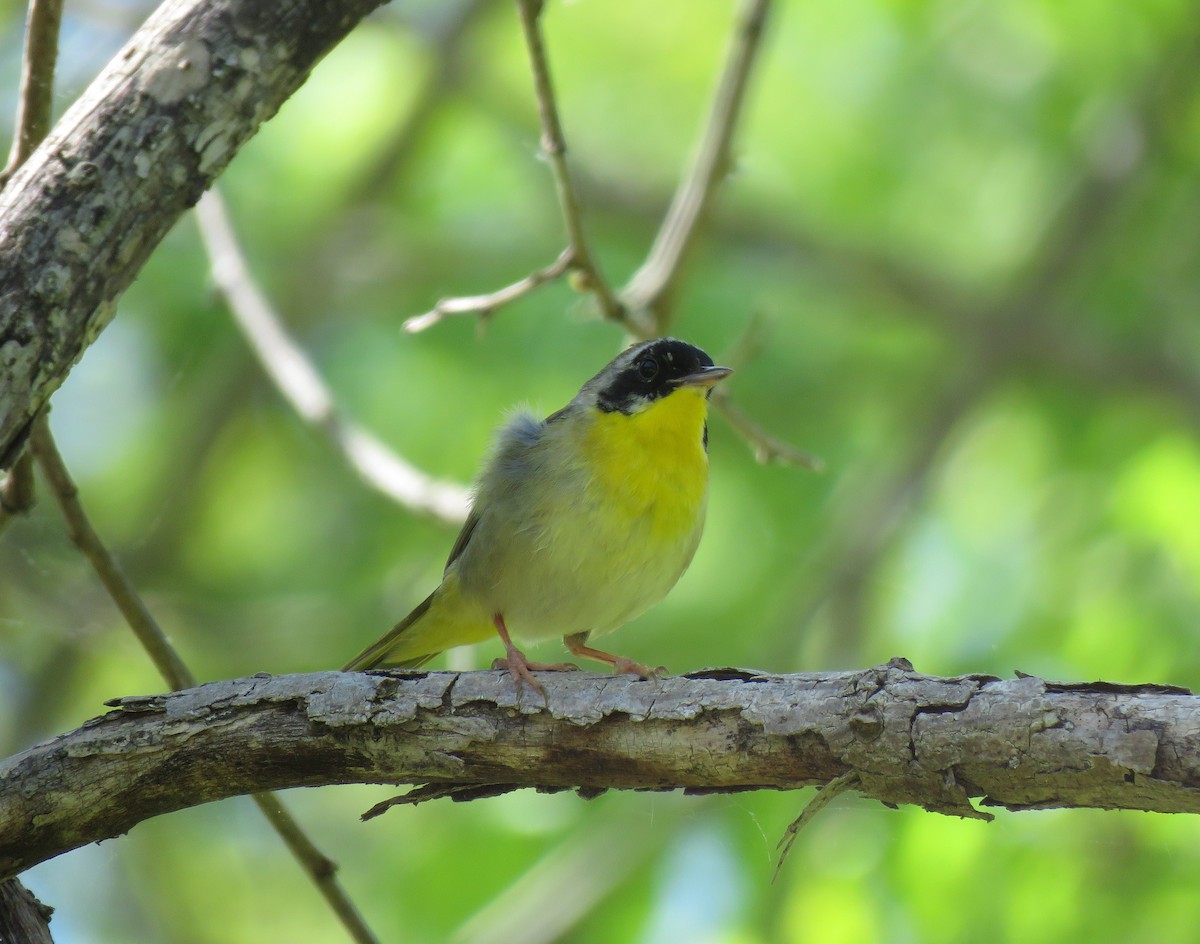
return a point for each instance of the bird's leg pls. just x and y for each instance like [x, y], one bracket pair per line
[518, 666]
[577, 645]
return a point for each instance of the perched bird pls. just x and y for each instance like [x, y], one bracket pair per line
[580, 521]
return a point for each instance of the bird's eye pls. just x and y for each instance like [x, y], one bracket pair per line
[647, 368]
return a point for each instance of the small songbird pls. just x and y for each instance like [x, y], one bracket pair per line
[580, 521]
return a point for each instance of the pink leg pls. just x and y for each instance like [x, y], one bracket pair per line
[518, 666]
[577, 645]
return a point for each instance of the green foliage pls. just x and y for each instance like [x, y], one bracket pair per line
[968, 232]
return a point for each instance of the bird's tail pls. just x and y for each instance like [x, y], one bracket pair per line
[390, 650]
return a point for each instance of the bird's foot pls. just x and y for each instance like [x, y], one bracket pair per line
[623, 666]
[520, 668]
[577, 645]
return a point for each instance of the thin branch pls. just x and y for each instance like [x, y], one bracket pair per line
[485, 305]
[650, 293]
[173, 670]
[766, 448]
[297, 379]
[554, 146]
[1022, 743]
[119, 587]
[824, 796]
[37, 81]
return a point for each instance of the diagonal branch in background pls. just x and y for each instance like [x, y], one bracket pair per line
[650, 293]
[301, 385]
[37, 82]
[554, 146]
[644, 304]
[485, 305]
[320, 869]
[1022, 743]
[143, 142]
[79, 529]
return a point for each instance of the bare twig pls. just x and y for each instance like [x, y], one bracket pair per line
[37, 81]
[297, 379]
[814, 806]
[650, 292]
[83, 536]
[554, 146]
[484, 305]
[766, 448]
[173, 670]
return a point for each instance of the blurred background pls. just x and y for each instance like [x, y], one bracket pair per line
[956, 259]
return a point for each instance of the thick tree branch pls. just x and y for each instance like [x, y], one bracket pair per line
[936, 742]
[23, 919]
[80, 217]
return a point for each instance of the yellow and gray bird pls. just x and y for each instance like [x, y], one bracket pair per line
[580, 521]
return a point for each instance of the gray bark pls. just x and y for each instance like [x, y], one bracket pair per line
[934, 742]
[147, 138]
[23, 919]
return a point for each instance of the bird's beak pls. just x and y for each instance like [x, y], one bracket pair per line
[705, 377]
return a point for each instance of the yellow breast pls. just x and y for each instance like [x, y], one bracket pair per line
[653, 463]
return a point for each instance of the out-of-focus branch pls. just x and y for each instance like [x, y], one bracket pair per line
[37, 81]
[484, 305]
[766, 448]
[650, 292]
[554, 146]
[292, 372]
[320, 869]
[84, 536]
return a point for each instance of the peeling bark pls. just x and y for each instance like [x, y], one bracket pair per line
[935, 742]
[151, 133]
[23, 919]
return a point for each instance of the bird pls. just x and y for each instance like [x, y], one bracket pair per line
[579, 522]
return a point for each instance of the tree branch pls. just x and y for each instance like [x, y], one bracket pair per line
[649, 294]
[297, 379]
[1019, 743]
[23, 919]
[175, 672]
[554, 146]
[37, 81]
[137, 149]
